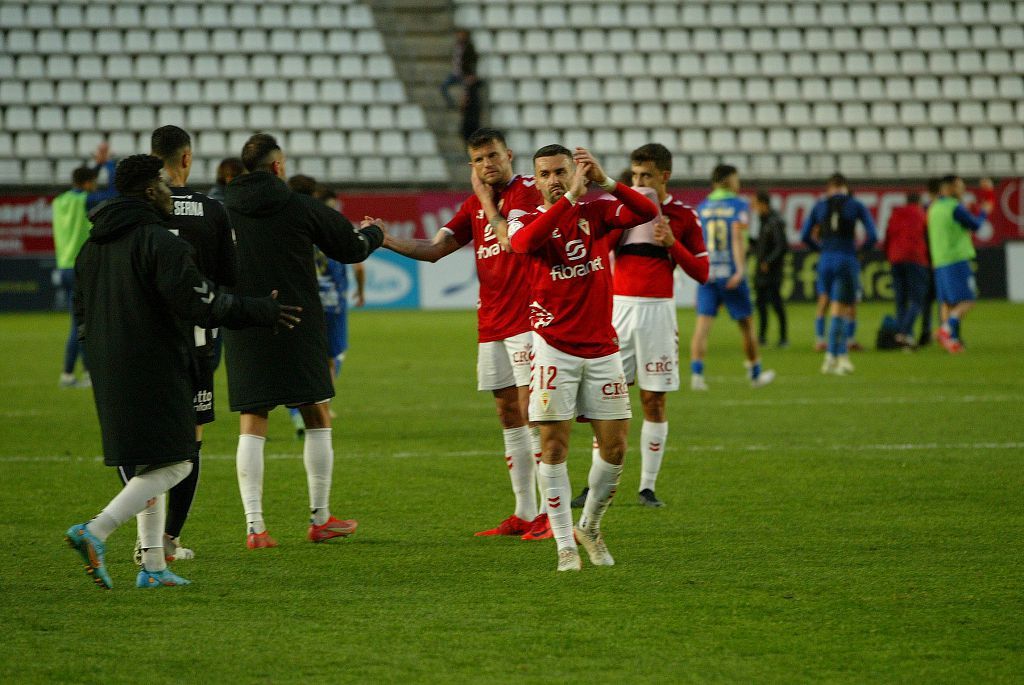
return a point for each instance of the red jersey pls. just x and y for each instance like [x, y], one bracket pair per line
[644, 268]
[906, 236]
[567, 248]
[503, 304]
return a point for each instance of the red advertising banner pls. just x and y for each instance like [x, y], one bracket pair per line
[25, 219]
[25, 225]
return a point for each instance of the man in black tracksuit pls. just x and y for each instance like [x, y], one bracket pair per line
[203, 224]
[136, 288]
[770, 252]
[276, 230]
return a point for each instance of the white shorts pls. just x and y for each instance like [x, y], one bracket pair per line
[504, 363]
[649, 341]
[563, 386]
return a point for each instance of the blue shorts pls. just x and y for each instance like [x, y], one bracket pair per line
[337, 332]
[714, 294]
[839, 277]
[954, 283]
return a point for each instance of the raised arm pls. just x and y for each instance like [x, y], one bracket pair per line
[963, 217]
[693, 258]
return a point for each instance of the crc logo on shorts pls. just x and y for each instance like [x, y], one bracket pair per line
[663, 365]
[575, 250]
[615, 390]
[521, 357]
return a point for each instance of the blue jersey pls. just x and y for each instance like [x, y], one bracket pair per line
[722, 210]
[333, 278]
[844, 212]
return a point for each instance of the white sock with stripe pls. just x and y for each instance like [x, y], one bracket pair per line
[652, 450]
[603, 481]
[554, 480]
[535, 447]
[522, 470]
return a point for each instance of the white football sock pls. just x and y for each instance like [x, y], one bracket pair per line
[554, 480]
[135, 495]
[151, 534]
[249, 466]
[521, 469]
[535, 448]
[318, 456]
[603, 481]
[652, 449]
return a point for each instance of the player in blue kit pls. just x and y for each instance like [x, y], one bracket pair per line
[831, 228]
[725, 217]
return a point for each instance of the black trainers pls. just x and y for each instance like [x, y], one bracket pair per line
[581, 499]
[646, 497]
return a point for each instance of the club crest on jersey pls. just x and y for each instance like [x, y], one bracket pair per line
[540, 317]
[584, 226]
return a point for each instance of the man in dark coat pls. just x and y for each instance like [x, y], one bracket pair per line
[138, 293]
[770, 251]
[203, 224]
[276, 230]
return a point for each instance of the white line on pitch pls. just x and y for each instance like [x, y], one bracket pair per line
[870, 447]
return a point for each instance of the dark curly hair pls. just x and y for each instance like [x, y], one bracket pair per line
[135, 173]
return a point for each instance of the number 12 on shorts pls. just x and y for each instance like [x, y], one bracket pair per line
[546, 377]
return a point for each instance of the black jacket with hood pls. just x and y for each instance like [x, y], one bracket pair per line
[275, 231]
[137, 295]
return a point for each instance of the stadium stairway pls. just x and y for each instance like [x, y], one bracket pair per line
[419, 37]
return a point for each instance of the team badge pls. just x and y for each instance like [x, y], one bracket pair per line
[584, 226]
[545, 399]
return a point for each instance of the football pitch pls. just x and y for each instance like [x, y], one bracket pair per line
[859, 529]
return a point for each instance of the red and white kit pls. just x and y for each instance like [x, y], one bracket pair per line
[644, 312]
[503, 326]
[577, 370]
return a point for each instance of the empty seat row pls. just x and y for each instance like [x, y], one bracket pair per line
[328, 169]
[246, 91]
[701, 40]
[780, 89]
[345, 66]
[533, 13]
[404, 117]
[748, 64]
[778, 140]
[764, 115]
[219, 143]
[167, 41]
[185, 16]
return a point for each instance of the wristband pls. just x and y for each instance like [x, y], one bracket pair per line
[570, 197]
[608, 184]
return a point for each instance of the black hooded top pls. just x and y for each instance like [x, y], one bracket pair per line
[275, 231]
[137, 295]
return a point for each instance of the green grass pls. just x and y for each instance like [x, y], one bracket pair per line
[860, 529]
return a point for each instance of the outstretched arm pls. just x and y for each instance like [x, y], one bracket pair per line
[443, 244]
[197, 300]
